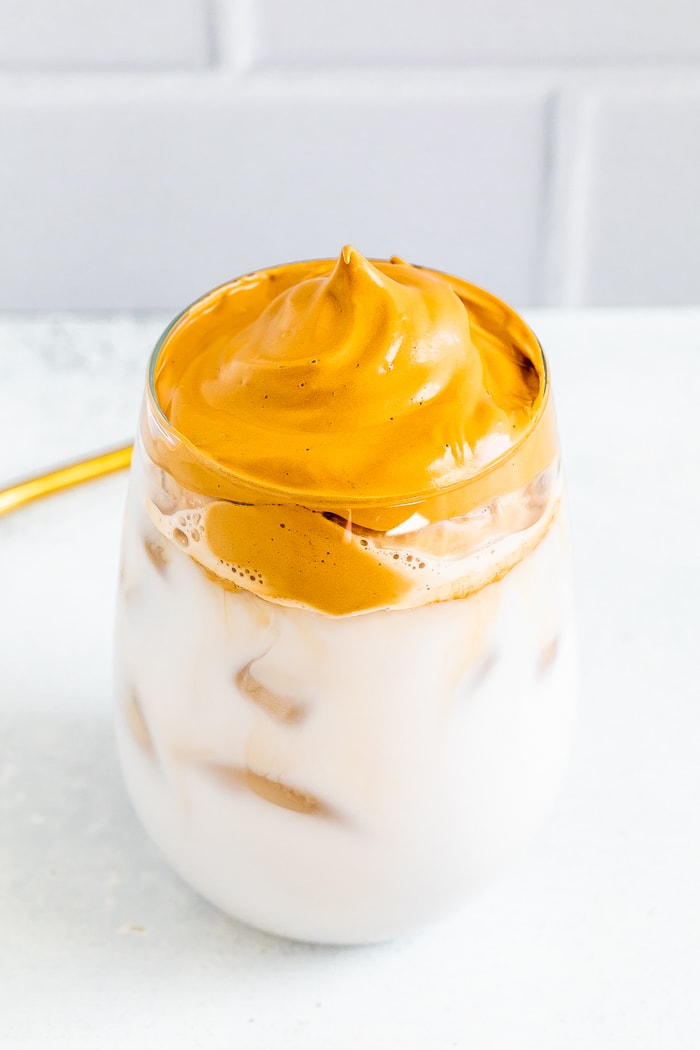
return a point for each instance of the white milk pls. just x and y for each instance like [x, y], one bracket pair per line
[343, 779]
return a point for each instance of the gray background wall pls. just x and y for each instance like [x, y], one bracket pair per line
[149, 149]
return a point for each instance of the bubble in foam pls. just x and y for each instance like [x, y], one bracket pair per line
[180, 537]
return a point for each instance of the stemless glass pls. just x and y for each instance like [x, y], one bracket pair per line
[344, 776]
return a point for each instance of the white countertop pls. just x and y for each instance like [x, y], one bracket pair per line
[591, 941]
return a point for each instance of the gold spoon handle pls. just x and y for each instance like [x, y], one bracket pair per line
[23, 492]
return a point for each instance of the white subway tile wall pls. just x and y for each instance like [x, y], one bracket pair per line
[388, 32]
[150, 149]
[104, 34]
[149, 203]
[641, 198]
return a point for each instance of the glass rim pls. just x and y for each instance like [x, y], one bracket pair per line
[285, 494]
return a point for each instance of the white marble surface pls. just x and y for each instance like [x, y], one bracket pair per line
[591, 941]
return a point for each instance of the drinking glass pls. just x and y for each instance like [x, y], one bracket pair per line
[316, 759]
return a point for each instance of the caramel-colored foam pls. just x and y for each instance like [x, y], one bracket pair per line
[370, 391]
[373, 570]
[313, 382]
[297, 552]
